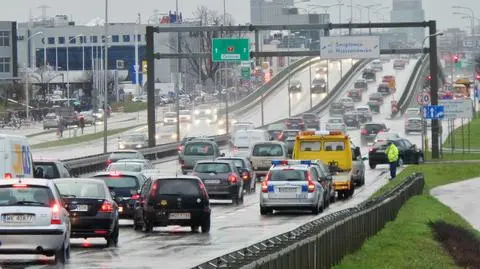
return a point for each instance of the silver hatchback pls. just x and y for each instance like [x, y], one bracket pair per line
[292, 184]
[33, 219]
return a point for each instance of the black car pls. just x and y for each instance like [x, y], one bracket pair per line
[408, 153]
[355, 94]
[93, 212]
[166, 201]
[295, 86]
[244, 165]
[222, 179]
[369, 75]
[123, 186]
[336, 109]
[123, 154]
[294, 123]
[311, 121]
[365, 113]
[370, 131]
[384, 89]
[50, 169]
[319, 85]
[351, 119]
[361, 84]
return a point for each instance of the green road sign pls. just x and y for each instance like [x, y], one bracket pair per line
[230, 49]
[245, 72]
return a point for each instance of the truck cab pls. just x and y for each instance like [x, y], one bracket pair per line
[337, 151]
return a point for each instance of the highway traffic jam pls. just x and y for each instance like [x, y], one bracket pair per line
[208, 200]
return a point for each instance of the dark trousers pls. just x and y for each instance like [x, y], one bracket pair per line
[393, 169]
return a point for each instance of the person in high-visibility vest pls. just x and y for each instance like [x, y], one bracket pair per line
[392, 156]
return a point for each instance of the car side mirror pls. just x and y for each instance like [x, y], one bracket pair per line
[365, 159]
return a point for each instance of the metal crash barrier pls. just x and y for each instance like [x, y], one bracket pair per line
[323, 242]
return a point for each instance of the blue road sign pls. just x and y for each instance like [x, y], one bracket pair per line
[433, 112]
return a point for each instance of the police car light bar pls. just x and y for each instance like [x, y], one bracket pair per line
[291, 162]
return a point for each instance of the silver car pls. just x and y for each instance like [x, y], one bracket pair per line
[335, 124]
[347, 103]
[413, 125]
[33, 219]
[292, 184]
[50, 121]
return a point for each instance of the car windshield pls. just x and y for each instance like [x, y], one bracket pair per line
[287, 174]
[415, 121]
[124, 166]
[216, 168]
[78, 189]
[309, 116]
[133, 138]
[290, 133]
[184, 112]
[335, 121]
[362, 109]
[25, 195]
[336, 105]
[264, 150]
[199, 149]
[237, 162]
[346, 100]
[123, 155]
[354, 93]
[295, 120]
[170, 115]
[51, 117]
[49, 170]
[359, 84]
[178, 187]
[119, 181]
[318, 81]
[374, 127]
[350, 116]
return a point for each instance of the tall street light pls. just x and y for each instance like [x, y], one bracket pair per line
[27, 74]
[68, 68]
[105, 96]
[473, 15]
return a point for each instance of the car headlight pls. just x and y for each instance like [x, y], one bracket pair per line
[121, 146]
[138, 146]
[298, 86]
[197, 112]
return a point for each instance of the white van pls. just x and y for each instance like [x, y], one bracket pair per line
[242, 125]
[243, 139]
[17, 157]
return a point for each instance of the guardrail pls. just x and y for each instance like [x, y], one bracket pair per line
[97, 162]
[323, 242]
[409, 91]
[266, 88]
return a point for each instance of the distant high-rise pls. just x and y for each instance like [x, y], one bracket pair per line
[264, 12]
[409, 11]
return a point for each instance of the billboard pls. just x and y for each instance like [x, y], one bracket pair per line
[349, 47]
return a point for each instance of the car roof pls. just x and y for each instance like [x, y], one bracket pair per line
[89, 180]
[202, 140]
[233, 158]
[215, 161]
[131, 161]
[126, 173]
[183, 177]
[28, 181]
[125, 151]
[268, 142]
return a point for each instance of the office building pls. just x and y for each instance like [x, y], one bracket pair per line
[8, 51]
[409, 11]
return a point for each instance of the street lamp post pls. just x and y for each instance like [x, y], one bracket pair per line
[105, 141]
[27, 74]
[225, 93]
[473, 16]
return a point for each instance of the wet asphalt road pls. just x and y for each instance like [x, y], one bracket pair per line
[233, 227]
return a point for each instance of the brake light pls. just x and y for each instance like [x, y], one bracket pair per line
[265, 183]
[20, 186]
[363, 132]
[245, 175]
[135, 197]
[56, 219]
[311, 185]
[180, 148]
[106, 207]
[7, 176]
[115, 174]
[372, 150]
[203, 190]
[232, 179]
[154, 189]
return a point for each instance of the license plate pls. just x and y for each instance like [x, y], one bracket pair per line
[179, 216]
[212, 181]
[81, 208]
[17, 218]
[302, 196]
[287, 189]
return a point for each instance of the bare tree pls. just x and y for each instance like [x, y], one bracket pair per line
[202, 42]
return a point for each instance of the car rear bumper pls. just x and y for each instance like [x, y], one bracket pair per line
[91, 227]
[31, 241]
[221, 191]
[161, 218]
[287, 203]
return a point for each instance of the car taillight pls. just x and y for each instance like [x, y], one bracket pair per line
[265, 183]
[56, 217]
[232, 179]
[363, 132]
[372, 150]
[280, 136]
[7, 176]
[135, 197]
[311, 185]
[203, 190]
[246, 175]
[106, 207]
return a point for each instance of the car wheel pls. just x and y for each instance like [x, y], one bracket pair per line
[206, 225]
[372, 165]
[62, 254]
[112, 239]
[316, 209]
[333, 198]
[341, 195]
[326, 201]
[265, 210]
[420, 159]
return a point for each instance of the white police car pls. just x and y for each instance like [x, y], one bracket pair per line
[292, 185]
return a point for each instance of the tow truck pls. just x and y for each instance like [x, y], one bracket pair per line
[335, 149]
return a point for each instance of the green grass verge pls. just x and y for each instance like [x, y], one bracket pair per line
[79, 139]
[408, 241]
[460, 140]
[448, 156]
[131, 107]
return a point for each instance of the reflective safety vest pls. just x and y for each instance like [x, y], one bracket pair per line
[392, 153]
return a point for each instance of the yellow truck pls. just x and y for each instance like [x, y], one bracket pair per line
[336, 150]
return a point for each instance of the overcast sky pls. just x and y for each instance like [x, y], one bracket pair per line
[125, 10]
